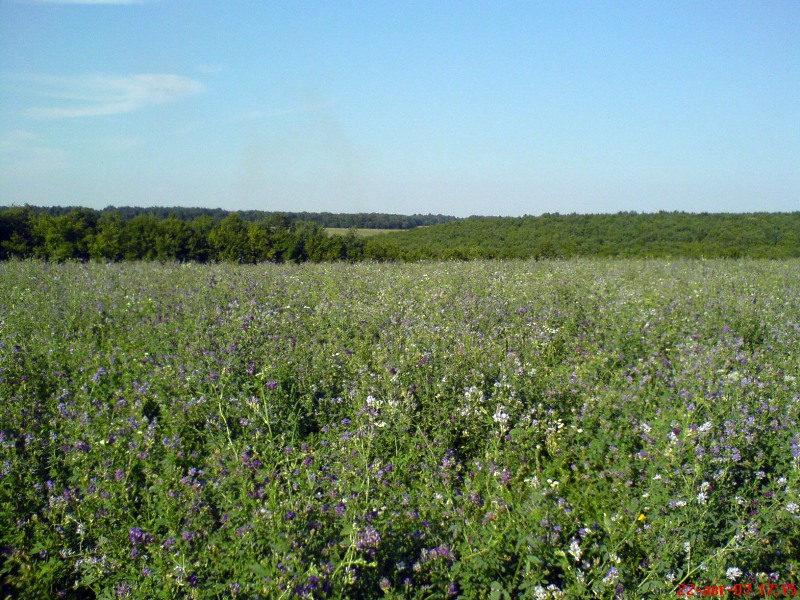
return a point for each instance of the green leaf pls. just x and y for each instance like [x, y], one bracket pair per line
[258, 570]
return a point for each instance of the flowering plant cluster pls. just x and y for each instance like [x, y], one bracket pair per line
[580, 429]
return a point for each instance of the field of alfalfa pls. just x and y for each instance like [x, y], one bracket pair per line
[581, 429]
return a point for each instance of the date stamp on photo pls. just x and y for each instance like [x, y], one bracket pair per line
[764, 590]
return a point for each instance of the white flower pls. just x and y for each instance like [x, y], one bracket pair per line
[733, 573]
[793, 508]
[575, 550]
[611, 575]
[702, 497]
[500, 416]
[473, 393]
[705, 427]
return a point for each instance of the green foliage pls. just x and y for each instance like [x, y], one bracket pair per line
[272, 219]
[16, 235]
[110, 236]
[228, 240]
[251, 236]
[64, 237]
[517, 429]
[759, 235]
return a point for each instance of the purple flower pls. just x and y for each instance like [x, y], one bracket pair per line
[437, 553]
[290, 515]
[475, 498]
[611, 575]
[368, 538]
[138, 537]
[272, 385]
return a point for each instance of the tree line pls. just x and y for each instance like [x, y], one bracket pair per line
[85, 234]
[203, 235]
[323, 219]
[652, 235]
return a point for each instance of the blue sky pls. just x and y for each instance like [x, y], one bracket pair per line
[489, 108]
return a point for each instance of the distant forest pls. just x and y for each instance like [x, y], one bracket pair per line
[323, 219]
[202, 235]
[663, 234]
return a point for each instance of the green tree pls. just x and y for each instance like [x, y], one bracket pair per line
[172, 239]
[228, 239]
[109, 241]
[16, 235]
[259, 242]
[198, 248]
[66, 236]
[140, 238]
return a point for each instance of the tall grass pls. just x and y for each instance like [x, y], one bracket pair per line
[581, 429]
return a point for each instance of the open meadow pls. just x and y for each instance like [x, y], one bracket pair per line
[359, 232]
[519, 429]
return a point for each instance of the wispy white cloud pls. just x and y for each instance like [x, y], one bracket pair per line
[98, 95]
